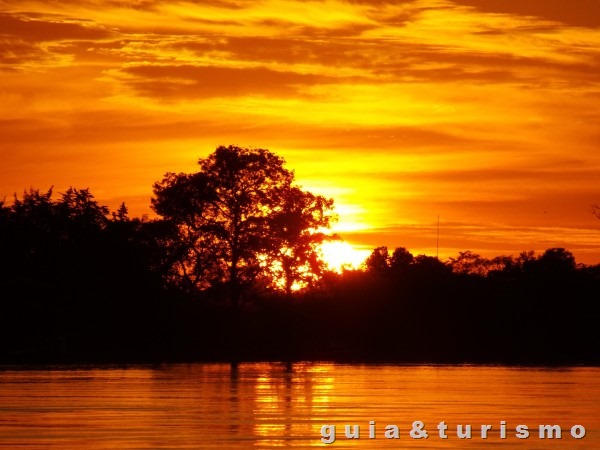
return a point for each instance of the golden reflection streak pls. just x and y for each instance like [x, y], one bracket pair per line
[284, 393]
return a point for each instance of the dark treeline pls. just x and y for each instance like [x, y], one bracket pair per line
[230, 271]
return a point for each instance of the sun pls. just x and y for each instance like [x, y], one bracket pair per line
[340, 254]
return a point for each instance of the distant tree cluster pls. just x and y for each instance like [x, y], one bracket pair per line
[69, 268]
[231, 269]
[524, 309]
[553, 260]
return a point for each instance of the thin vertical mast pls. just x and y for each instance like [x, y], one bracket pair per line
[437, 242]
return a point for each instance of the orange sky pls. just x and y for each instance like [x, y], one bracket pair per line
[400, 110]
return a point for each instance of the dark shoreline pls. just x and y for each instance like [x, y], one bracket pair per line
[80, 285]
[72, 365]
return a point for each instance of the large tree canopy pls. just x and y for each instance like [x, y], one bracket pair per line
[240, 218]
[297, 228]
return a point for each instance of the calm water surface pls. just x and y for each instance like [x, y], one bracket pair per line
[209, 406]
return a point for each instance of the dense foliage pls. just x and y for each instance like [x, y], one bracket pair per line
[241, 220]
[215, 278]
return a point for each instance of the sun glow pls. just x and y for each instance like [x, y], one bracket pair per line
[339, 255]
[478, 111]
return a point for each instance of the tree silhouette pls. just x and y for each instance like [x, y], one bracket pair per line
[425, 265]
[238, 214]
[121, 214]
[470, 263]
[79, 283]
[378, 261]
[296, 226]
[78, 206]
[556, 262]
[401, 259]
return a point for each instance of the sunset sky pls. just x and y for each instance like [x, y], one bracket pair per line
[486, 112]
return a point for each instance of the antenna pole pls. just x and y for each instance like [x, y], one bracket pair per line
[437, 241]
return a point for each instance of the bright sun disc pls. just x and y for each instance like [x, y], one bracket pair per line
[340, 254]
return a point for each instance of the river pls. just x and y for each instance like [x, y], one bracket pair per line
[300, 405]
